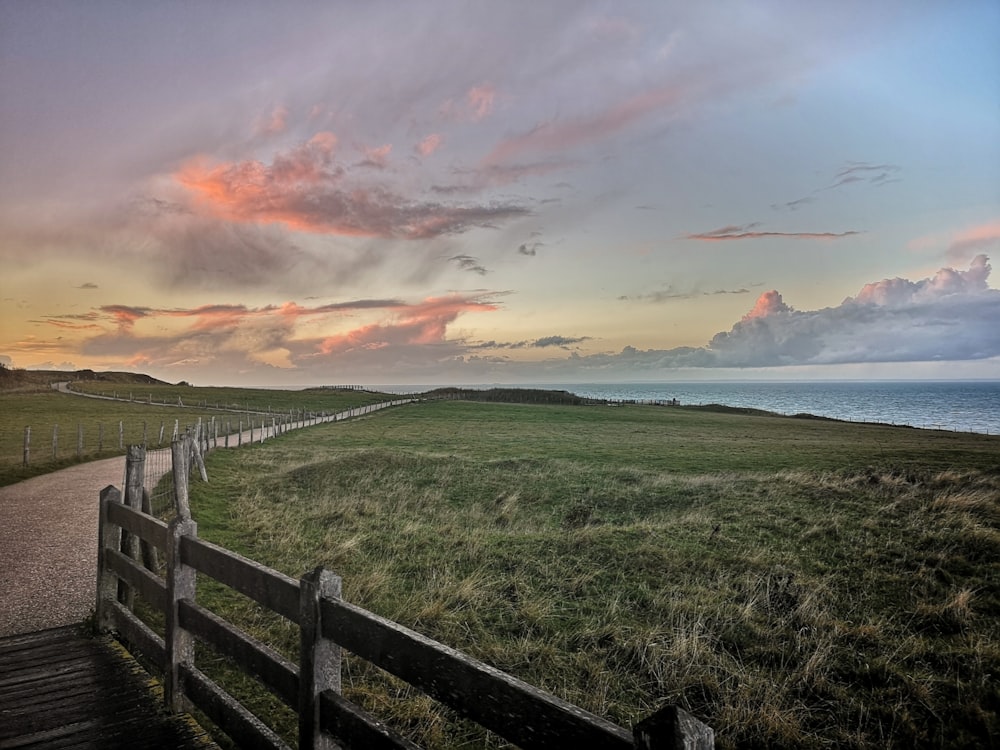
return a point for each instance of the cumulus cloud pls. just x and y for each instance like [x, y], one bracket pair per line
[949, 316]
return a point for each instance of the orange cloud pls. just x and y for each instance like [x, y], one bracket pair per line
[305, 190]
[421, 324]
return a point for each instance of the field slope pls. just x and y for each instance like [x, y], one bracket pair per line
[795, 583]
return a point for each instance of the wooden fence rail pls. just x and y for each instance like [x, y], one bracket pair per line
[517, 711]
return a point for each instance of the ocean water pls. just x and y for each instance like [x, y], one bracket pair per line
[962, 406]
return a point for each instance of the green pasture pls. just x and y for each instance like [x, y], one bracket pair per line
[59, 418]
[796, 583]
[265, 400]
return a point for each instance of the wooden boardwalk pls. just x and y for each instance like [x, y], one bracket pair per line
[61, 689]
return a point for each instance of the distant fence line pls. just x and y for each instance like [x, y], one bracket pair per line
[212, 430]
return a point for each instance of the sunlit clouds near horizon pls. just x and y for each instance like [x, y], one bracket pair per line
[303, 193]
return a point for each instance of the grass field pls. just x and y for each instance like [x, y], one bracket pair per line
[795, 583]
[64, 419]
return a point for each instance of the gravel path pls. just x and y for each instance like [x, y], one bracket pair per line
[48, 546]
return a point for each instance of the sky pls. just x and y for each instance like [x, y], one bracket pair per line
[304, 193]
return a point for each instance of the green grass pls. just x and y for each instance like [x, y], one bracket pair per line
[51, 414]
[327, 400]
[795, 583]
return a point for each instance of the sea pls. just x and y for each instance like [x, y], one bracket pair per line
[955, 405]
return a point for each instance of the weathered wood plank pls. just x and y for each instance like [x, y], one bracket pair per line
[153, 530]
[268, 587]
[82, 692]
[138, 634]
[353, 727]
[277, 673]
[227, 713]
[151, 586]
[517, 711]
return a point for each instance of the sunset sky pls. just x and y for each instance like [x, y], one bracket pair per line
[508, 192]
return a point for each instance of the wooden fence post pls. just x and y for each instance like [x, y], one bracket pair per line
[109, 536]
[180, 451]
[180, 585]
[79, 440]
[27, 445]
[672, 728]
[135, 464]
[55, 441]
[121, 435]
[100, 436]
[319, 658]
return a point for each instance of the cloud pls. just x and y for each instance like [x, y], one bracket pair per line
[556, 135]
[561, 341]
[875, 174]
[376, 158]
[671, 293]
[429, 145]
[468, 263]
[88, 285]
[529, 248]
[305, 190]
[476, 105]
[945, 317]
[275, 122]
[977, 238]
[748, 232]
[234, 338]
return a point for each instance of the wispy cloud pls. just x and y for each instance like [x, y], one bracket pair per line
[305, 190]
[469, 263]
[553, 136]
[750, 232]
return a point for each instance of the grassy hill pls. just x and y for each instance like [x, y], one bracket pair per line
[18, 380]
[795, 583]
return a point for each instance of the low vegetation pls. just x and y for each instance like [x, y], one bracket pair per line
[67, 429]
[794, 583]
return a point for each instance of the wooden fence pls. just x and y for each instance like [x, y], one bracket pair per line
[515, 710]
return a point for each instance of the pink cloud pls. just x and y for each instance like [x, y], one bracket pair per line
[276, 122]
[422, 324]
[377, 158]
[305, 190]
[429, 145]
[899, 292]
[966, 242]
[480, 100]
[553, 136]
[769, 303]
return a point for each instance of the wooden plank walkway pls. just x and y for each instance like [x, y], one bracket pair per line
[61, 689]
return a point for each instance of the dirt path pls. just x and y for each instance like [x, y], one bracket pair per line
[48, 539]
